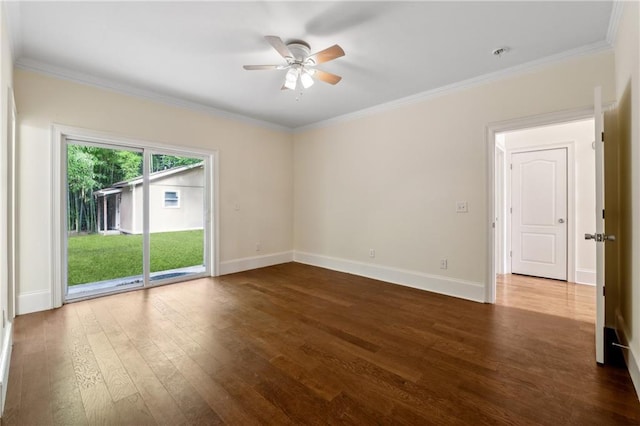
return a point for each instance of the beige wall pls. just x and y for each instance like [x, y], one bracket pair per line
[391, 181]
[580, 134]
[255, 165]
[627, 78]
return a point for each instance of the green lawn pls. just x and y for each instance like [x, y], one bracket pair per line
[94, 257]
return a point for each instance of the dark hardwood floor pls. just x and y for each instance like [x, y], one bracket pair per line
[294, 344]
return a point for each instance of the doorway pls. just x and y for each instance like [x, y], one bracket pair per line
[549, 201]
[132, 215]
[570, 135]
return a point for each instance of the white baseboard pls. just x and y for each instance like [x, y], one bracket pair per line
[585, 276]
[435, 283]
[630, 357]
[33, 301]
[5, 360]
[248, 263]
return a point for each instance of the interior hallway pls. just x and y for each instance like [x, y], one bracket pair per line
[553, 297]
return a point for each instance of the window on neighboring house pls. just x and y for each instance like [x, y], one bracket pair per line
[172, 199]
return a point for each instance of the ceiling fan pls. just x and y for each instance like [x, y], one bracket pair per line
[301, 63]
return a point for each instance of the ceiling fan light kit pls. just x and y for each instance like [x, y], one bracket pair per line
[300, 63]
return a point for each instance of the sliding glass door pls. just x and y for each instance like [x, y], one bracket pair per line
[134, 217]
[177, 207]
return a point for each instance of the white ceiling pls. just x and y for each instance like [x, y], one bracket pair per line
[194, 51]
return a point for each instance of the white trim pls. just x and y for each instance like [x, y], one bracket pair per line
[614, 21]
[500, 217]
[248, 263]
[125, 89]
[58, 194]
[490, 135]
[34, 301]
[434, 283]
[12, 198]
[213, 187]
[571, 200]
[598, 47]
[630, 357]
[146, 218]
[5, 362]
[585, 276]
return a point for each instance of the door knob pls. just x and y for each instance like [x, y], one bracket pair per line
[560, 220]
[599, 237]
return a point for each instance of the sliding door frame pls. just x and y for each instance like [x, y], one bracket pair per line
[59, 136]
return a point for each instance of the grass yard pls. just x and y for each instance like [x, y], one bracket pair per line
[93, 258]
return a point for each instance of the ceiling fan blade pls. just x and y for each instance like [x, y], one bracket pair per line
[279, 45]
[328, 54]
[261, 67]
[327, 77]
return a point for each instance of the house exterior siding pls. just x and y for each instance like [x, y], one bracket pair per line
[189, 214]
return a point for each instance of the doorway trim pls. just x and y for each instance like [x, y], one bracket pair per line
[490, 139]
[59, 134]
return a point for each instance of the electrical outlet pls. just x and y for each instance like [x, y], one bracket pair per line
[462, 207]
[443, 264]
[258, 247]
[372, 253]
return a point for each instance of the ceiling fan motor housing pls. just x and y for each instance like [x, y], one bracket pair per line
[300, 51]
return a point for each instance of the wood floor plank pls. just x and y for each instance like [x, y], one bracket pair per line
[35, 402]
[132, 410]
[192, 405]
[161, 405]
[114, 373]
[295, 344]
[215, 395]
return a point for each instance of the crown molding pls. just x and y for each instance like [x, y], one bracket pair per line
[82, 78]
[614, 21]
[590, 49]
[106, 84]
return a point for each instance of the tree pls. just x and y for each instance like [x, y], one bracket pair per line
[91, 168]
[164, 162]
[80, 182]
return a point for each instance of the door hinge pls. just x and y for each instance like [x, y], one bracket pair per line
[511, 166]
[603, 213]
[602, 137]
[510, 254]
[510, 209]
[603, 290]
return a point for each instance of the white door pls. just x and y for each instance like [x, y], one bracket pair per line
[539, 213]
[599, 237]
